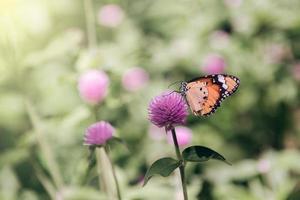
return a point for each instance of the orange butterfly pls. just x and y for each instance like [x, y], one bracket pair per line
[204, 94]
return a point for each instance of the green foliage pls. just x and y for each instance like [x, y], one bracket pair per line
[44, 49]
[163, 167]
[201, 154]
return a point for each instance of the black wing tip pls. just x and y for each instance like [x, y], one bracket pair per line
[213, 75]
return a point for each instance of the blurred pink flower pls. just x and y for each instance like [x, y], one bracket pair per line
[184, 136]
[263, 166]
[296, 71]
[156, 133]
[98, 133]
[214, 64]
[93, 86]
[135, 79]
[110, 15]
[276, 52]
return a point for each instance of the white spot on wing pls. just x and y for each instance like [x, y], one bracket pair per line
[224, 86]
[221, 79]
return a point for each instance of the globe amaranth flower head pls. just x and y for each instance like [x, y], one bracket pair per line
[135, 79]
[214, 64]
[93, 86]
[168, 110]
[110, 15]
[98, 133]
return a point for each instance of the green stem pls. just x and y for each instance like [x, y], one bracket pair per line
[114, 174]
[102, 158]
[90, 23]
[104, 178]
[101, 161]
[95, 112]
[44, 145]
[45, 181]
[182, 166]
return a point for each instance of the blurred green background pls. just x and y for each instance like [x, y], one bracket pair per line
[45, 47]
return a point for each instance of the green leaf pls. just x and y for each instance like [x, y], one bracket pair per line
[163, 167]
[116, 139]
[201, 154]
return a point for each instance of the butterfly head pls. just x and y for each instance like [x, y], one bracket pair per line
[183, 88]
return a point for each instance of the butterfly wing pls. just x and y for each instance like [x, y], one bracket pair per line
[204, 94]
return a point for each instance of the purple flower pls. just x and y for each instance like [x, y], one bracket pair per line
[93, 86]
[135, 79]
[183, 134]
[98, 133]
[214, 64]
[110, 15]
[167, 110]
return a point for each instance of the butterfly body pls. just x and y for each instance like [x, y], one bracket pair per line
[204, 94]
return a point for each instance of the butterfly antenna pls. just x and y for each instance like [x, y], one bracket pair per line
[173, 90]
[174, 83]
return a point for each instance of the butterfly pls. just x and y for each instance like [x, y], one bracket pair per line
[205, 94]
